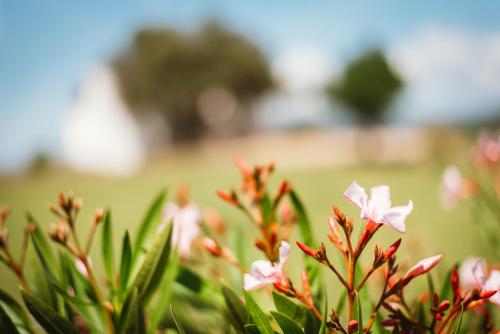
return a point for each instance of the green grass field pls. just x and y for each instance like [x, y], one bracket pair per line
[430, 229]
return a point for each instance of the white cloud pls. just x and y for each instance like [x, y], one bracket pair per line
[451, 75]
[99, 135]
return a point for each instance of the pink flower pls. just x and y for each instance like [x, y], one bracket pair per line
[186, 225]
[474, 275]
[264, 272]
[424, 266]
[453, 187]
[378, 207]
[487, 151]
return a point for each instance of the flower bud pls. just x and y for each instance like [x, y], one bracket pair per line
[98, 216]
[59, 232]
[443, 306]
[352, 326]
[211, 246]
[487, 294]
[306, 249]
[230, 198]
[392, 249]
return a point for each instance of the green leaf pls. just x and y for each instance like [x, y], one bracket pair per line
[177, 323]
[189, 279]
[147, 228]
[303, 219]
[126, 263]
[341, 302]
[15, 311]
[107, 247]
[47, 317]
[236, 308]
[251, 329]
[457, 329]
[128, 314]
[6, 323]
[322, 329]
[47, 260]
[164, 293]
[305, 228]
[154, 264]
[267, 209]
[287, 324]
[258, 316]
[287, 306]
[446, 290]
[360, 314]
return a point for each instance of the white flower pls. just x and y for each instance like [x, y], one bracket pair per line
[264, 272]
[378, 208]
[452, 187]
[493, 283]
[186, 225]
[474, 275]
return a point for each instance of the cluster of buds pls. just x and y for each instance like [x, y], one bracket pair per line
[376, 211]
[262, 209]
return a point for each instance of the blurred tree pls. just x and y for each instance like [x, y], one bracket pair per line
[165, 71]
[367, 86]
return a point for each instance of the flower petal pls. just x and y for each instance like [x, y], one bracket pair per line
[424, 266]
[251, 283]
[356, 194]
[467, 274]
[284, 251]
[395, 217]
[493, 283]
[380, 198]
[262, 269]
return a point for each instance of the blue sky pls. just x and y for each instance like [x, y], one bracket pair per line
[47, 46]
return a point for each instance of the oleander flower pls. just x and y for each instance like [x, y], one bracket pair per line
[487, 151]
[186, 229]
[474, 275]
[264, 272]
[453, 187]
[378, 208]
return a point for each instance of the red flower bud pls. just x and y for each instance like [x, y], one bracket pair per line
[392, 249]
[455, 280]
[487, 294]
[231, 199]
[306, 249]
[352, 326]
[443, 306]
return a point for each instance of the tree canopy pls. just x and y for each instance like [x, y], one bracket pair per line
[367, 86]
[164, 70]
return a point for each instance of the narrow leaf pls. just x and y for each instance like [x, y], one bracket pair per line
[107, 247]
[148, 227]
[177, 323]
[322, 329]
[6, 323]
[47, 317]
[125, 263]
[258, 316]
[15, 311]
[236, 308]
[288, 307]
[154, 264]
[287, 324]
[251, 329]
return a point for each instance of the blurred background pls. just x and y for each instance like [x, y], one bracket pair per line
[116, 100]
